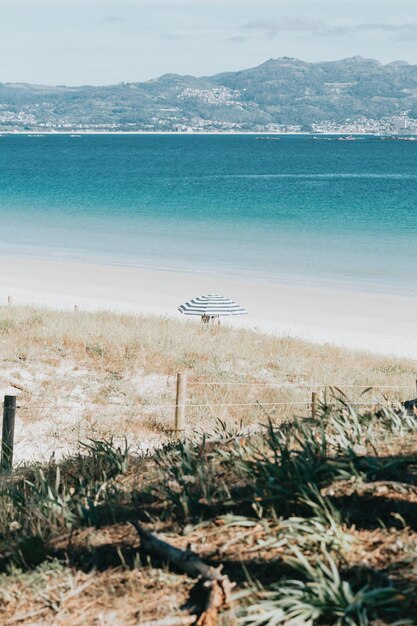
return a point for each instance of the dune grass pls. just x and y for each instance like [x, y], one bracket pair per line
[80, 375]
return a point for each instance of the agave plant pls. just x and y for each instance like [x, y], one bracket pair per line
[193, 478]
[46, 500]
[38, 505]
[397, 422]
[106, 460]
[346, 430]
[321, 596]
[289, 464]
[322, 530]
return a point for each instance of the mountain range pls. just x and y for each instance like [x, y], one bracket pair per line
[281, 92]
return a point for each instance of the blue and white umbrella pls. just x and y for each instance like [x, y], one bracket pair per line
[211, 306]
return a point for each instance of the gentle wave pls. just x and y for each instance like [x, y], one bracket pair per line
[346, 283]
[314, 176]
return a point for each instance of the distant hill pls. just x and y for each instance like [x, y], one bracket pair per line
[279, 92]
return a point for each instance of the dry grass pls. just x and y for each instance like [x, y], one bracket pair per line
[303, 520]
[81, 375]
[65, 596]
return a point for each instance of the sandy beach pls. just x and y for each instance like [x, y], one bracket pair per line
[380, 323]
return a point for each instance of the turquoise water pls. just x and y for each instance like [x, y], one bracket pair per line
[296, 210]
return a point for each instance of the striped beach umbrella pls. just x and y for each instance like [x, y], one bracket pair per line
[211, 306]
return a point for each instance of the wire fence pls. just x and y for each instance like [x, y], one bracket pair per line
[313, 385]
[191, 407]
[189, 401]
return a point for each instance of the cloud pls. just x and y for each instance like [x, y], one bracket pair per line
[173, 36]
[271, 28]
[381, 26]
[112, 19]
[334, 31]
[312, 26]
[408, 34]
[237, 39]
[400, 32]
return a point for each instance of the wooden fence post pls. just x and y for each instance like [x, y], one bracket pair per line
[9, 300]
[314, 405]
[7, 441]
[180, 403]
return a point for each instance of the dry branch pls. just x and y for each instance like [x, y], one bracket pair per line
[172, 621]
[218, 585]
[218, 598]
[394, 485]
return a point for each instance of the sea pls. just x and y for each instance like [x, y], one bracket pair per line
[291, 209]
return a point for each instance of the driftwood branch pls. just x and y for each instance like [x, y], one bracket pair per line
[394, 485]
[172, 621]
[219, 593]
[217, 585]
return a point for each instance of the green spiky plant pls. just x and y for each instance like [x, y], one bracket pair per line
[290, 463]
[193, 478]
[321, 596]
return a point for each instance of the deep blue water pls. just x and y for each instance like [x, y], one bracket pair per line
[297, 210]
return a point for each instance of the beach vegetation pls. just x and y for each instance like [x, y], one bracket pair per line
[291, 517]
[82, 375]
[307, 530]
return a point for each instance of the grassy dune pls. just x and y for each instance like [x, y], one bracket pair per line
[82, 375]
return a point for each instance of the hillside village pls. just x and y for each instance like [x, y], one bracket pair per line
[280, 96]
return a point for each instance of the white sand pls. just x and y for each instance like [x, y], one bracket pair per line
[376, 322]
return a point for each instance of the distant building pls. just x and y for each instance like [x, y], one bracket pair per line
[399, 124]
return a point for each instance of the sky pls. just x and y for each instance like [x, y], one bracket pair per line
[96, 42]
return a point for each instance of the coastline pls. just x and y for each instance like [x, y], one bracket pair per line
[190, 133]
[54, 133]
[374, 322]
